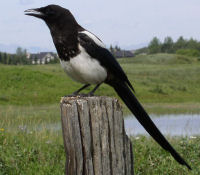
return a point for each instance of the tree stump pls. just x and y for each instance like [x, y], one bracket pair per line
[94, 137]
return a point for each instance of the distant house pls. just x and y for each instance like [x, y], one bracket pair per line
[122, 53]
[42, 57]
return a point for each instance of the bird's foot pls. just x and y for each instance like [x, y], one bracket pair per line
[90, 94]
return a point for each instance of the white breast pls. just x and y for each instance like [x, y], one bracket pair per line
[84, 69]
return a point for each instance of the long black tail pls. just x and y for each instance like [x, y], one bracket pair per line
[133, 104]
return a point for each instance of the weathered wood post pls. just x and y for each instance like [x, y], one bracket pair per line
[94, 137]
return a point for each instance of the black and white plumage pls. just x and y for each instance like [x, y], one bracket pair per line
[85, 59]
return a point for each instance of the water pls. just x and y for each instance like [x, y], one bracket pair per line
[173, 125]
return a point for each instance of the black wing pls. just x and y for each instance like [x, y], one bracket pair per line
[103, 55]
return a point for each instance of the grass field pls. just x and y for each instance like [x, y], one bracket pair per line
[42, 152]
[157, 83]
[30, 142]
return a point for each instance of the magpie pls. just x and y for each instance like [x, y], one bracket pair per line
[85, 59]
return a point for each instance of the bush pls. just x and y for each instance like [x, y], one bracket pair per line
[188, 52]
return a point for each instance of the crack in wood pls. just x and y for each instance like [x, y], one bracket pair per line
[94, 136]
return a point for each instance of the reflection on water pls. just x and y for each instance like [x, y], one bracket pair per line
[173, 125]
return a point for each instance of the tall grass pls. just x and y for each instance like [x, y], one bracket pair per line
[30, 143]
[150, 158]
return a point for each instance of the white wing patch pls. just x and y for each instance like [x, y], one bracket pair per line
[94, 38]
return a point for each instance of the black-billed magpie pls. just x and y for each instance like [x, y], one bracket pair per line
[85, 59]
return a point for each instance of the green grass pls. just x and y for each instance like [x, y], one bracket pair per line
[161, 59]
[150, 159]
[31, 143]
[30, 138]
[12, 117]
[42, 152]
[35, 152]
[158, 79]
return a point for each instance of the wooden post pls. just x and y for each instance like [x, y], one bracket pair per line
[94, 137]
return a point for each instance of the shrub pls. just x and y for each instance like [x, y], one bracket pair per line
[188, 52]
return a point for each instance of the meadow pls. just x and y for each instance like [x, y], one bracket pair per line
[31, 143]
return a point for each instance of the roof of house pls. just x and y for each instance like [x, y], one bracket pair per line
[123, 53]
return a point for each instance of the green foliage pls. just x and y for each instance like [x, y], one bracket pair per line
[193, 44]
[20, 58]
[14, 59]
[117, 48]
[188, 52]
[154, 46]
[160, 59]
[20, 52]
[54, 61]
[111, 48]
[169, 46]
[141, 51]
[181, 43]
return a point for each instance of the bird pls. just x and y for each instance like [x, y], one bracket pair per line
[85, 58]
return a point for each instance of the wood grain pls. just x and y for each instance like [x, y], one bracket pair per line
[94, 137]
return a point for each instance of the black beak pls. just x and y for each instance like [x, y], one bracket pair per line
[34, 12]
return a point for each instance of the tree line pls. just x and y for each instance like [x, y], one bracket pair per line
[20, 57]
[183, 46]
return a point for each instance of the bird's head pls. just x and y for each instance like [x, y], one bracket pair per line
[52, 14]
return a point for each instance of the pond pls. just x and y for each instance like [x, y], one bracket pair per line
[172, 125]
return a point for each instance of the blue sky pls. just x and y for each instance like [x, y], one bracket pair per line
[128, 23]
